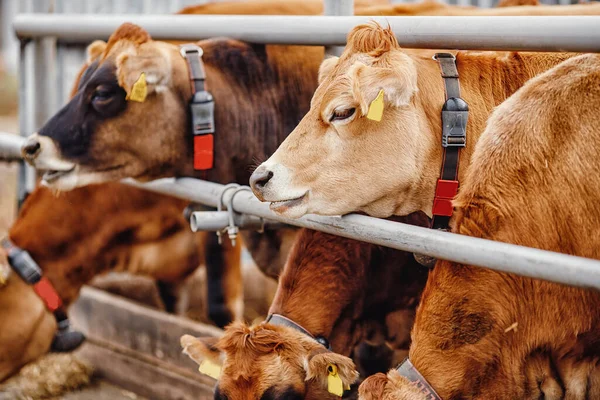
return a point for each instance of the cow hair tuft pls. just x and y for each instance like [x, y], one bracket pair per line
[372, 39]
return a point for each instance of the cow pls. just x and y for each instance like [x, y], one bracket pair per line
[481, 334]
[339, 293]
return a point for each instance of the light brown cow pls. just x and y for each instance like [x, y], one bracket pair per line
[337, 289]
[337, 161]
[533, 181]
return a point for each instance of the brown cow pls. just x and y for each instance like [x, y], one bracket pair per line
[333, 288]
[533, 181]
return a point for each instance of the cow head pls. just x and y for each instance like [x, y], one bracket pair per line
[27, 326]
[127, 115]
[320, 167]
[269, 362]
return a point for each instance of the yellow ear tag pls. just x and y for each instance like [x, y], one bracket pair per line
[4, 274]
[376, 108]
[139, 91]
[334, 382]
[209, 368]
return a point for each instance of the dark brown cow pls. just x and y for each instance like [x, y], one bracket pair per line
[481, 334]
[338, 289]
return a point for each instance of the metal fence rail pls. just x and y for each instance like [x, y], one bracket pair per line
[10, 147]
[520, 260]
[532, 33]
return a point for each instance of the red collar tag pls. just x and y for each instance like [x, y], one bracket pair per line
[48, 294]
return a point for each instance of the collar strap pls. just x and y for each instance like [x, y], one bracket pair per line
[455, 113]
[280, 320]
[202, 108]
[408, 370]
[22, 263]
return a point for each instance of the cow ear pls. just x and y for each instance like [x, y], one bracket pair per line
[331, 370]
[392, 386]
[143, 72]
[199, 349]
[95, 50]
[326, 67]
[395, 80]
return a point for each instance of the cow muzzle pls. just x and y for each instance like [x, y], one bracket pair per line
[41, 152]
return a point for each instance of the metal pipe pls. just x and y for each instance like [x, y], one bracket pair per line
[520, 260]
[10, 147]
[27, 175]
[216, 221]
[533, 33]
[337, 8]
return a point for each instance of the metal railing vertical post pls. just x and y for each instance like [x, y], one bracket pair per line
[337, 8]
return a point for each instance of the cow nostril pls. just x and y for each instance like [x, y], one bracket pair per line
[260, 178]
[31, 148]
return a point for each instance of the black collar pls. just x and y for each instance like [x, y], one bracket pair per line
[408, 370]
[22, 264]
[280, 320]
[202, 108]
[455, 114]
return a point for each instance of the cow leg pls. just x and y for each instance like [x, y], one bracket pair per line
[225, 298]
[168, 295]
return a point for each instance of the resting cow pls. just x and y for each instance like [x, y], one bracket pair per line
[463, 342]
[533, 181]
[338, 291]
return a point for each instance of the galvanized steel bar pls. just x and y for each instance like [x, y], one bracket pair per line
[10, 147]
[535, 263]
[534, 33]
[27, 175]
[337, 8]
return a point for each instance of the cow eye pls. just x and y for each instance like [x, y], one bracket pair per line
[342, 114]
[102, 94]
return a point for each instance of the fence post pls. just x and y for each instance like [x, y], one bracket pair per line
[337, 7]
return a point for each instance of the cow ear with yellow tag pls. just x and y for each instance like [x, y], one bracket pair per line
[143, 73]
[139, 90]
[375, 112]
[204, 353]
[333, 371]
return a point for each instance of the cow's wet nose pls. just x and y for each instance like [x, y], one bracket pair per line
[259, 180]
[31, 148]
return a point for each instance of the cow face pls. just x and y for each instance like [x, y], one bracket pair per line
[128, 113]
[343, 157]
[269, 362]
[27, 327]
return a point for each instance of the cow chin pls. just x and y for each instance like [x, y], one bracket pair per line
[77, 177]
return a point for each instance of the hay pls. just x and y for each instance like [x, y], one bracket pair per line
[48, 377]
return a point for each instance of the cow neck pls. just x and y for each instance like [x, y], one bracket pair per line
[65, 340]
[259, 96]
[516, 70]
[318, 306]
[509, 71]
